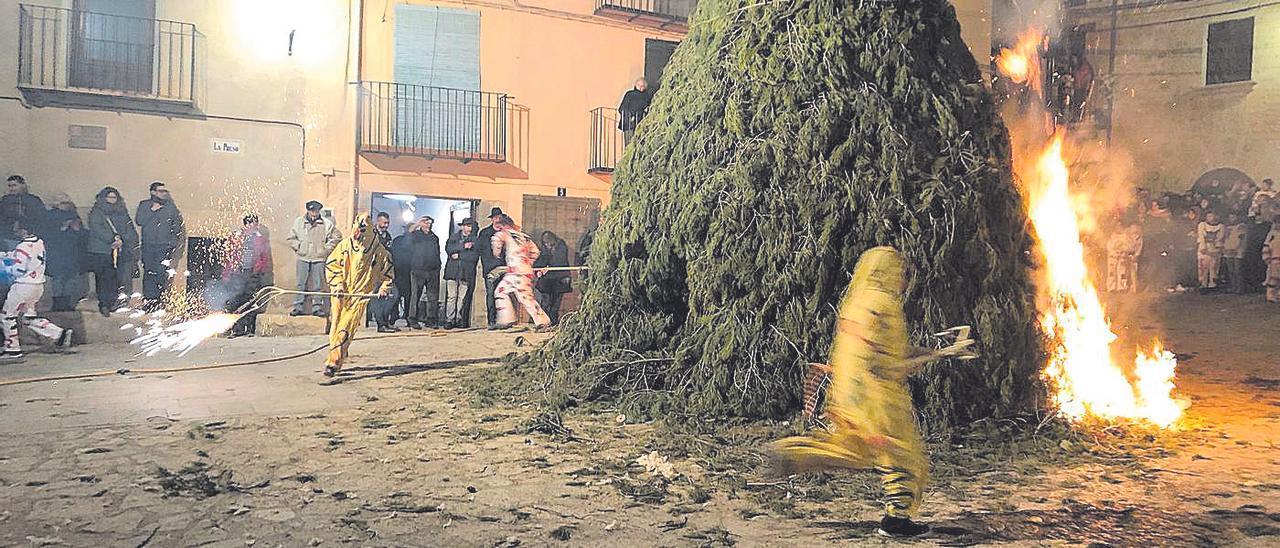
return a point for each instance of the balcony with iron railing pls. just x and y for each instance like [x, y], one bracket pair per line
[671, 15]
[68, 56]
[433, 122]
[606, 141]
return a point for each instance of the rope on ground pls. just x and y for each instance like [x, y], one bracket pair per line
[127, 371]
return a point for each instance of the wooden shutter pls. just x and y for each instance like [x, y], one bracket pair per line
[437, 52]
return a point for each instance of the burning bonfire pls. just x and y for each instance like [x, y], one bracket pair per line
[1086, 381]
[1085, 378]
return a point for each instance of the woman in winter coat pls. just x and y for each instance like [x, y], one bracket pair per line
[112, 249]
[553, 285]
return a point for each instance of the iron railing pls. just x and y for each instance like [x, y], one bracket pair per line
[675, 9]
[75, 50]
[606, 141]
[433, 122]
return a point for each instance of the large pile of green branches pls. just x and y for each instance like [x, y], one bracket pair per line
[788, 137]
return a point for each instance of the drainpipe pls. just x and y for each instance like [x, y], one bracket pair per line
[355, 157]
[1111, 72]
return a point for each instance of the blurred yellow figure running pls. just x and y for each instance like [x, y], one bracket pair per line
[869, 409]
[359, 265]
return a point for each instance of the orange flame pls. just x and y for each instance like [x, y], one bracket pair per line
[1086, 381]
[1022, 63]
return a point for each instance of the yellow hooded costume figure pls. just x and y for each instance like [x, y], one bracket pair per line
[361, 265]
[872, 423]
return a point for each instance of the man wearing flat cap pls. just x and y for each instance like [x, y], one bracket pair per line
[312, 237]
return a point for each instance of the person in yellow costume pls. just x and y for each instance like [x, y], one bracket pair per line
[872, 426]
[360, 264]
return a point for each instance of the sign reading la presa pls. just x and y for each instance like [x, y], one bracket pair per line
[226, 146]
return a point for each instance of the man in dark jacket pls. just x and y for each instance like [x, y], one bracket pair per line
[384, 309]
[20, 205]
[113, 250]
[552, 286]
[488, 262]
[635, 104]
[460, 274]
[65, 248]
[401, 258]
[164, 239]
[424, 274]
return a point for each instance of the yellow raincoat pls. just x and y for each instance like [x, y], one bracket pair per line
[360, 264]
[873, 426]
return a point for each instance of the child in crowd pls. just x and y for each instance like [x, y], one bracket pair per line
[1271, 255]
[1123, 248]
[1233, 251]
[1209, 236]
[25, 265]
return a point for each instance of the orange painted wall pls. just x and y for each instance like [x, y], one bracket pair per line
[552, 57]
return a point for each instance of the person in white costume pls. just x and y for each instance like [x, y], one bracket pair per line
[25, 266]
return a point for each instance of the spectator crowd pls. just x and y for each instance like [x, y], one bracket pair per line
[1214, 237]
[433, 293]
[50, 248]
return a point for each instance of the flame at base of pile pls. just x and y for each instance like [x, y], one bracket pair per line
[1082, 373]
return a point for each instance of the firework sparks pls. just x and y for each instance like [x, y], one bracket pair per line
[183, 336]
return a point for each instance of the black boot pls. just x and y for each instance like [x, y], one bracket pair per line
[901, 527]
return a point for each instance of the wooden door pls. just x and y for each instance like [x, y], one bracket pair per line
[568, 218]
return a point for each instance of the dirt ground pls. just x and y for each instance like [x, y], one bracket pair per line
[422, 459]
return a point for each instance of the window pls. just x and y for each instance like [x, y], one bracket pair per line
[437, 71]
[657, 53]
[1229, 52]
[113, 45]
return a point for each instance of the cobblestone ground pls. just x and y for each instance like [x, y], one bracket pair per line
[403, 454]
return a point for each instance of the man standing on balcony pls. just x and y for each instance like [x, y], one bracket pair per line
[488, 262]
[164, 235]
[634, 105]
[313, 237]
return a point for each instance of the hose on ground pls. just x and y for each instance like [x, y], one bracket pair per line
[273, 359]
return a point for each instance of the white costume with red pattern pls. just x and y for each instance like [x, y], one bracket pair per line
[520, 253]
[28, 286]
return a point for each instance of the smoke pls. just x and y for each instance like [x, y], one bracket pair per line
[1013, 17]
[1104, 178]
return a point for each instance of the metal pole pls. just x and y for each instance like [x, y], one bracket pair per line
[1111, 72]
[355, 156]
